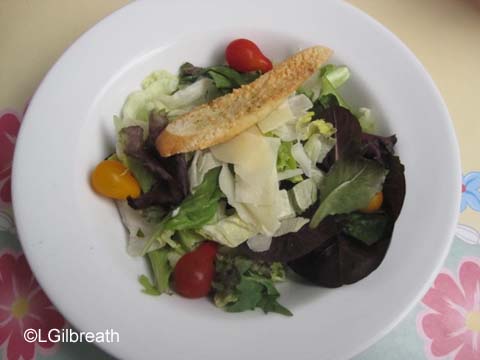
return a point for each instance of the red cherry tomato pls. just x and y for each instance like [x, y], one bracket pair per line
[208, 249]
[243, 55]
[194, 272]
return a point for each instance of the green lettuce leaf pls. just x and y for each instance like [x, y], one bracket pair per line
[285, 160]
[188, 239]
[200, 207]
[324, 83]
[144, 177]
[303, 195]
[332, 77]
[140, 103]
[230, 231]
[160, 81]
[348, 186]
[368, 228]
[187, 98]
[224, 77]
[173, 257]
[138, 227]
[202, 162]
[220, 81]
[195, 211]
[291, 225]
[293, 175]
[154, 214]
[336, 75]
[148, 287]
[301, 157]
[366, 120]
[324, 102]
[312, 86]
[306, 127]
[241, 284]
[249, 294]
[318, 146]
[161, 269]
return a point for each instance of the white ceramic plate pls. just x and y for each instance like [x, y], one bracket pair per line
[75, 242]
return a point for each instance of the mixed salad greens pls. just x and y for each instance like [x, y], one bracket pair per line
[311, 189]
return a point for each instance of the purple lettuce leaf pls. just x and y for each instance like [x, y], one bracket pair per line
[157, 122]
[347, 136]
[348, 131]
[345, 260]
[394, 187]
[342, 260]
[351, 141]
[378, 148]
[171, 173]
[158, 196]
[339, 259]
[293, 245]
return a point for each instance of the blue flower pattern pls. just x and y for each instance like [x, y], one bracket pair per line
[471, 191]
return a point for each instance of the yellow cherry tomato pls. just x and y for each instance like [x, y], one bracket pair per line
[374, 204]
[112, 179]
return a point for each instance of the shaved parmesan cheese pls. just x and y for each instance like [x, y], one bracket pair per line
[259, 186]
[240, 150]
[276, 118]
[253, 189]
[293, 108]
[263, 218]
[254, 157]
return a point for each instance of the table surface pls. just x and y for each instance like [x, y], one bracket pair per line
[445, 36]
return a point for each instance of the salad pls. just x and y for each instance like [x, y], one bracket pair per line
[310, 188]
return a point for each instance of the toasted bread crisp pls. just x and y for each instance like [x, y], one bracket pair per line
[229, 115]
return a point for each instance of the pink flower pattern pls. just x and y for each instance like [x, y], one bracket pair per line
[451, 324]
[23, 305]
[9, 127]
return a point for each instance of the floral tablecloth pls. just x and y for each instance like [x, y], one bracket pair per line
[444, 325]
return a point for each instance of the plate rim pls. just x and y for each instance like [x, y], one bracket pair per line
[124, 10]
